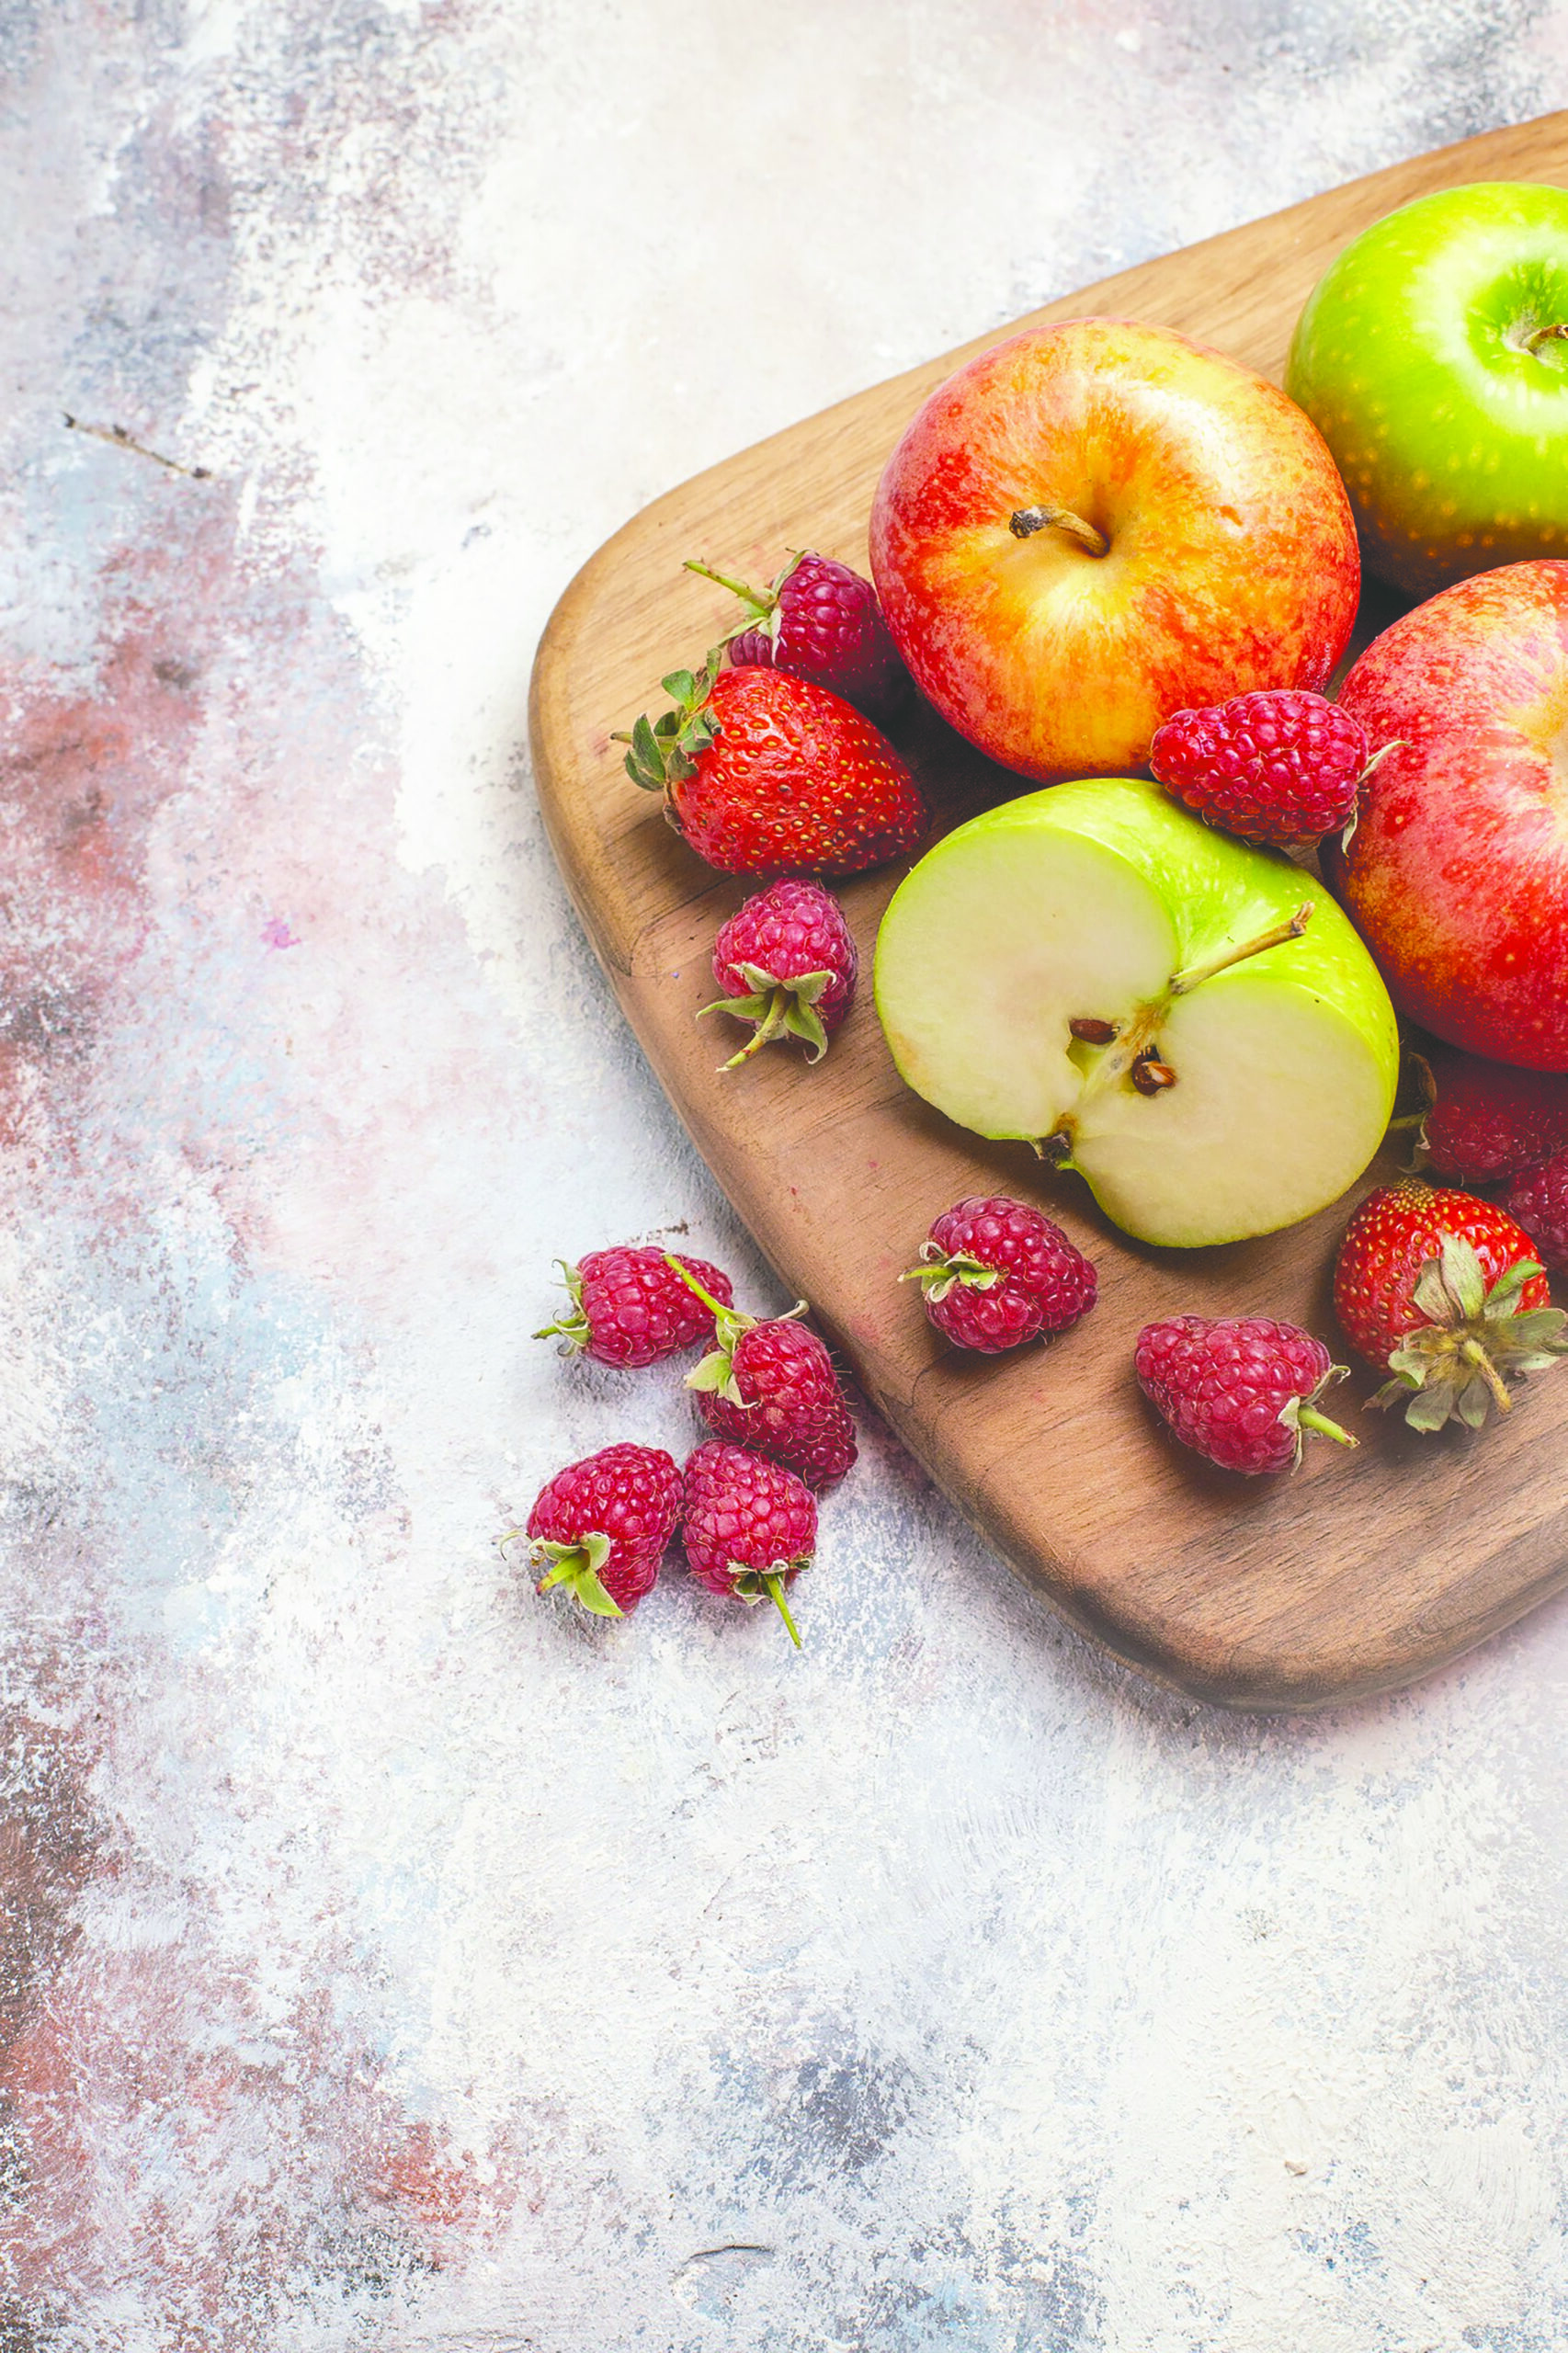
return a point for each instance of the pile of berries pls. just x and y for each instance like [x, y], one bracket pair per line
[744, 1503]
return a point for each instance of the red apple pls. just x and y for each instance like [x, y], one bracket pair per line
[1096, 524]
[1457, 874]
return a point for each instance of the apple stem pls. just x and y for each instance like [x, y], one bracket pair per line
[1309, 1418]
[1557, 332]
[1029, 519]
[1183, 983]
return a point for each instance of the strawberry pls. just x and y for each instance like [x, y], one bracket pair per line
[819, 620]
[763, 773]
[1537, 1198]
[602, 1525]
[788, 965]
[994, 1273]
[1444, 1289]
[771, 1386]
[1239, 1389]
[1487, 1121]
[750, 1525]
[1278, 766]
[631, 1307]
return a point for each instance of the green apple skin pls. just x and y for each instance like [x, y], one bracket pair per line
[1082, 901]
[1420, 359]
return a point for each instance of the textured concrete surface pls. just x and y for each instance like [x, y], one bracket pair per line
[388, 1960]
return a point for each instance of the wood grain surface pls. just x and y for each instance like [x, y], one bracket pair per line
[1357, 1572]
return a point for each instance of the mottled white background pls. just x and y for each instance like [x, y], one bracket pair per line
[390, 1960]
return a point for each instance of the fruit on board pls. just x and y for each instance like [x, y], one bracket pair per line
[1241, 1389]
[788, 965]
[1537, 1198]
[1281, 766]
[1432, 358]
[630, 1307]
[763, 772]
[1097, 523]
[1094, 969]
[750, 1525]
[1444, 1290]
[994, 1273]
[770, 1385]
[599, 1527]
[819, 620]
[1457, 874]
[1487, 1121]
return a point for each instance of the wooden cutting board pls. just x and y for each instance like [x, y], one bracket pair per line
[1357, 1572]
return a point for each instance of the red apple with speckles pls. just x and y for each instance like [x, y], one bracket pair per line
[1457, 872]
[1096, 524]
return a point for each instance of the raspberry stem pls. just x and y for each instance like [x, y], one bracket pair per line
[1309, 1418]
[1027, 521]
[775, 1584]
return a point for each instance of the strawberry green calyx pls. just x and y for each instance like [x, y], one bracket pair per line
[1301, 1415]
[939, 1269]
[716, 1370]
[762, 608]
[1455, 1366]
[778, 1007]
[575, 1566]
[666, 750]
[768, 1584]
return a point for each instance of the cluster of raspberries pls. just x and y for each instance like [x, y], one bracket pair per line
[743, 1503]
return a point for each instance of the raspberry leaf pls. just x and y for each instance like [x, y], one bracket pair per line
[940, 1269]
[776, 1006]
[577, 1566]
[571, 1329]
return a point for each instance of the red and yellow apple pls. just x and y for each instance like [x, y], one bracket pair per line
[1096, 524]
[1457, 874]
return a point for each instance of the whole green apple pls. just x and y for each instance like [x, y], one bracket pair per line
[1433, 358]
[1096, 969]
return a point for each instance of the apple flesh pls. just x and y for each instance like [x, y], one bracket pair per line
[1432, 358]
[1099, 523]
[1035, 962]
[1457, 872]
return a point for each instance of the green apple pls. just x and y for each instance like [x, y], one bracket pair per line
[1095, 970]
[1433, 359]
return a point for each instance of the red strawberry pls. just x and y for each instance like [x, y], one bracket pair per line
[765, 773]
[788, 964]
[1445, 1291]
[1240, 1389]
[1537, 1198]
[603, 1524]
[1280, 765]
[750, 1525]
[995, 1273]
[1487, 1121]
[819, 620]
[630, 1307]
[771, 1386]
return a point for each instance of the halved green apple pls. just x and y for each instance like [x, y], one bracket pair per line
[1095, 970]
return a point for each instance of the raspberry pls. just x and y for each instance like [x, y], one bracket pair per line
[1538, 1200]
[995, 1273]
[1280, 765]
[1488, 1121]
[630, 1307]
[788, 965]
[770, 1386]
[750, 1525]
[603, 1524]
[1239, 1390]
[820, 620]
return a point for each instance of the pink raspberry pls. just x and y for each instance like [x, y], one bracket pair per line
[995, 1273]
[771, 1387]
[1280, 765]
[602, 1525]
[1537, 1198]
[630, 1307]
[750, 1525]
[1239, 1390]
[788, 965]
[819, 620]
[1487, 1119]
